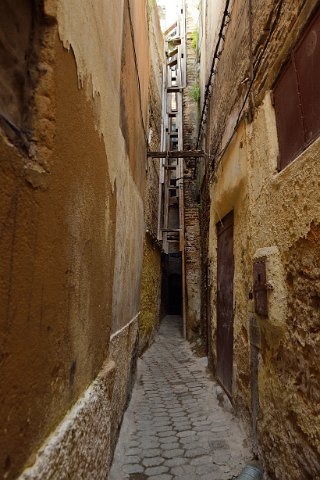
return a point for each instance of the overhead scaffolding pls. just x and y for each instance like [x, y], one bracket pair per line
[170, 223]
[171, 188]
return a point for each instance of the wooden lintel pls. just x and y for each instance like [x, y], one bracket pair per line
[177, 154]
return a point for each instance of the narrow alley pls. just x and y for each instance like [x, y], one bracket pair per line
[175, 426]
[159, 239]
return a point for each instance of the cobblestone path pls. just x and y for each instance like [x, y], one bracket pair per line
[175, 427]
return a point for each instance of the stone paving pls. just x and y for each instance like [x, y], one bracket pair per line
[176, 426]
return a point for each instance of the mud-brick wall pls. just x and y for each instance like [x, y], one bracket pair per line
[191, 199]
[73, 110]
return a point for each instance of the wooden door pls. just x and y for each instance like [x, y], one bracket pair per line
[225, 272]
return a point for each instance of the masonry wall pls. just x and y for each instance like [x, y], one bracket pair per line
[191, 194]
[72, 230]
[276, 217]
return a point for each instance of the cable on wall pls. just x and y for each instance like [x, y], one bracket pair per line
[255, 71]
[216, 57]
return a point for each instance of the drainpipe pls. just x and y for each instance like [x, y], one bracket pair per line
[251, 472]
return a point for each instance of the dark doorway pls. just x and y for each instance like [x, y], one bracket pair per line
[174, 294]
[225, 272]
[171, 284]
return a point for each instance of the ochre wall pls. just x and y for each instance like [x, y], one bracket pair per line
[72, 229]
[277, 217]
[150, 292]
[100, 36]
[230, 192]
[55, 290]
[285, 212]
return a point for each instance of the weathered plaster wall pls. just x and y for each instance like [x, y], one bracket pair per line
[82, 445]
[151, 194]
[230, 192]
[65, 454]
[277, 217]
[72, 229]
[286, 213]
[55, 291]
[124, 349]
[91, 30]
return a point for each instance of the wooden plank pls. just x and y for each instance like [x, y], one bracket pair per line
[172, 27]
[175, 41]
[174, 90]
[177, 154]
[172, 63]
[172, 52]
[165, 210]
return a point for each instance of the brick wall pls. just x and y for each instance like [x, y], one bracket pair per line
[192, 227]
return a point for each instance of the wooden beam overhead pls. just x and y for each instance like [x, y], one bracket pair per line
[177, 154]
[174, 90]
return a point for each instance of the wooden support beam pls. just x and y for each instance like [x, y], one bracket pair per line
[172, 63]
[171, 53]
[172, 27]
[174, 90]
[175, 41]
[177, 154]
